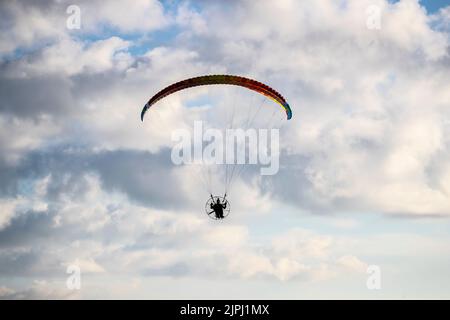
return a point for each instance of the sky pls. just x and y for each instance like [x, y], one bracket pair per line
[364, 179]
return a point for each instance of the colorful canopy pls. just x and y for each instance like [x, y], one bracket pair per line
[220, 79]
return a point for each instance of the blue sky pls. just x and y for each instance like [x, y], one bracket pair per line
[433, 6]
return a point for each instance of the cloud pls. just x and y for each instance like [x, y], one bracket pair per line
[353, 263]
[32, 26]
[102, 232]
[70, 57]
[84, 182]
[8, 209]
[441, 20]
[28, 24]
[87, 265]
[40, 289]
[142, 16]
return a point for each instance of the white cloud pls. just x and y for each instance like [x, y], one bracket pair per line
[8, 207]
[141, 15]
[87, 265]
[28, 25]
[353, 263]
[371, 127]
[40, 289]
[71, 57]
[300, 243]
[441, 20]
[15, 139]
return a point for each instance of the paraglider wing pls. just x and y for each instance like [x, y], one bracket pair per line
[220, 79]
